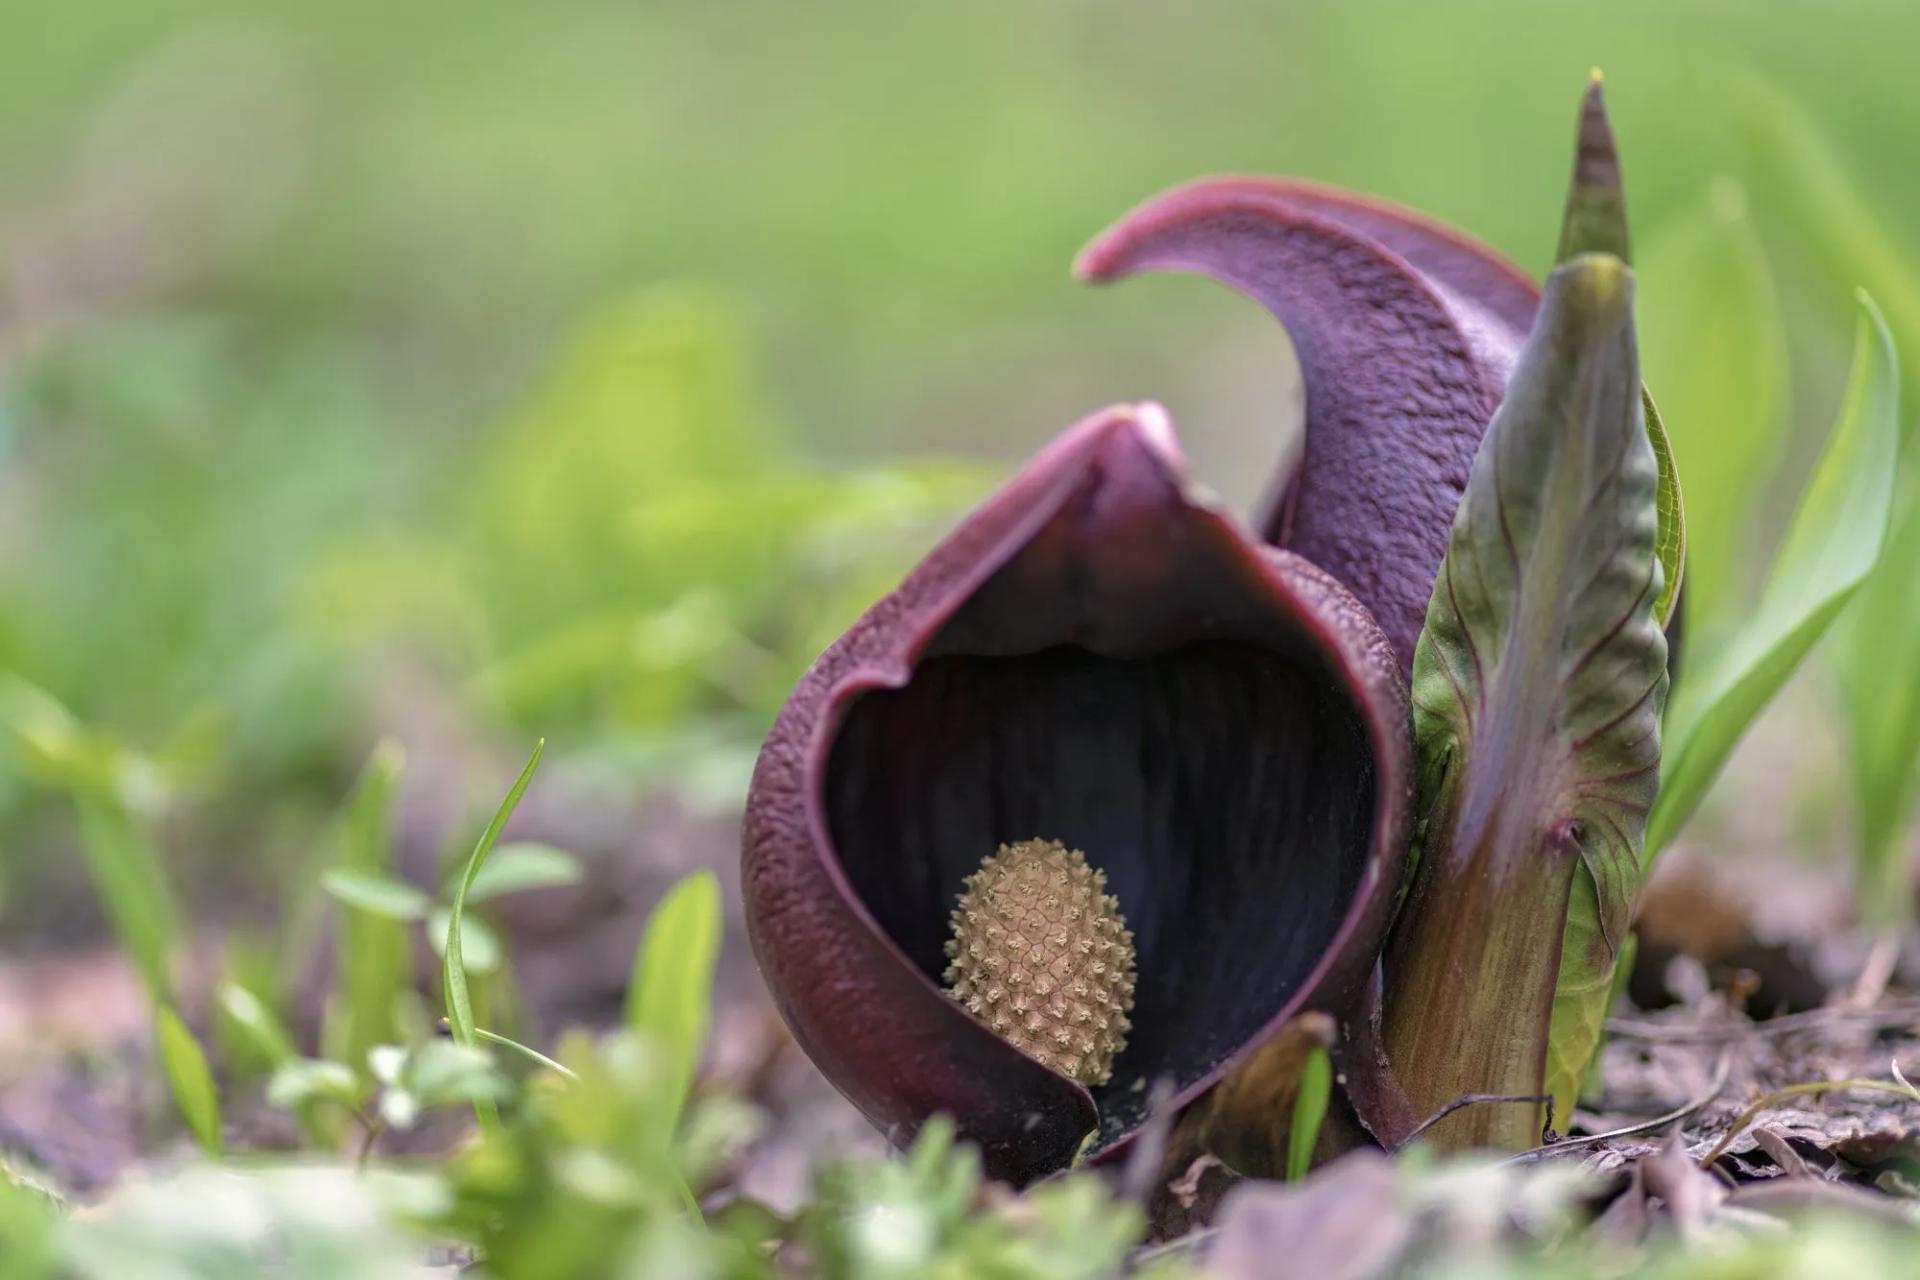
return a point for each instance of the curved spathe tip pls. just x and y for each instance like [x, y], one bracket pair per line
[1406, 332]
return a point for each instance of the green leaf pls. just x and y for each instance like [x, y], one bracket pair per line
[1670, 543]
[256, 1033]
[61, 751]
[375, 958]
[1309, 1110]
[299, 1081]
[1714, 344]
[257, 960]
[1832, 545]
[127, 875]
[480, 947]
[1592, 951]
[1807, 183]
[105, 783]
[263, 1030]
[453, 967]
[1810, 186]
[439, 1073]
[188, 1077]
[669, 997]
[382, 895]
[1876, 640]
[1537, 689]
[517, 867]
[31, 1221]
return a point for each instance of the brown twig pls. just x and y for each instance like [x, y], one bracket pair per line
[1891, 1015]
[1794, 1091]
[1877, 971]
[1722, 1069]
[1472, 1100]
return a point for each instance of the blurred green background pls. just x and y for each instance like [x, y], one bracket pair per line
[470, 372]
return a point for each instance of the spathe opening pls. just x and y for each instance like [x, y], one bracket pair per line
[1225, 784]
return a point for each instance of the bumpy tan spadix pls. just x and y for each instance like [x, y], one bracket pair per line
[1041, 954]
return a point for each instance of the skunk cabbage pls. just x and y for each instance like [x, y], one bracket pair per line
[1195, 741]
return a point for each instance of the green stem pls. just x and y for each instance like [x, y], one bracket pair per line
[1470, 979]
[1781, 1095]
[494, 1037]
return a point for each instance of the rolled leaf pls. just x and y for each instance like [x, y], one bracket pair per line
[1595, 221]
[1593, 942]
[1537, 689]
[1670, 544]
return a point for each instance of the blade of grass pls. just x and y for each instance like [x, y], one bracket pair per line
[453, 966]
[1879, 685]
[252, 962]
[1831, 547]
[101, 778]
[479, 945]
[1715, 345]
[189, 1077]
[527, 1051]
[133, 888]
[374, 957]
[669, 998]
[266, 1036]
[263, 1030]
[1309, 1110]
[1808, 181]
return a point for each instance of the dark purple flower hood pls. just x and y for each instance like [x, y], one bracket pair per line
[1218, 718]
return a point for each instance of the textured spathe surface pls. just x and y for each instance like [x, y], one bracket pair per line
[1098, 654]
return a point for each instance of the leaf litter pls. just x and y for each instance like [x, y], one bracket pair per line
[1743, 1103]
